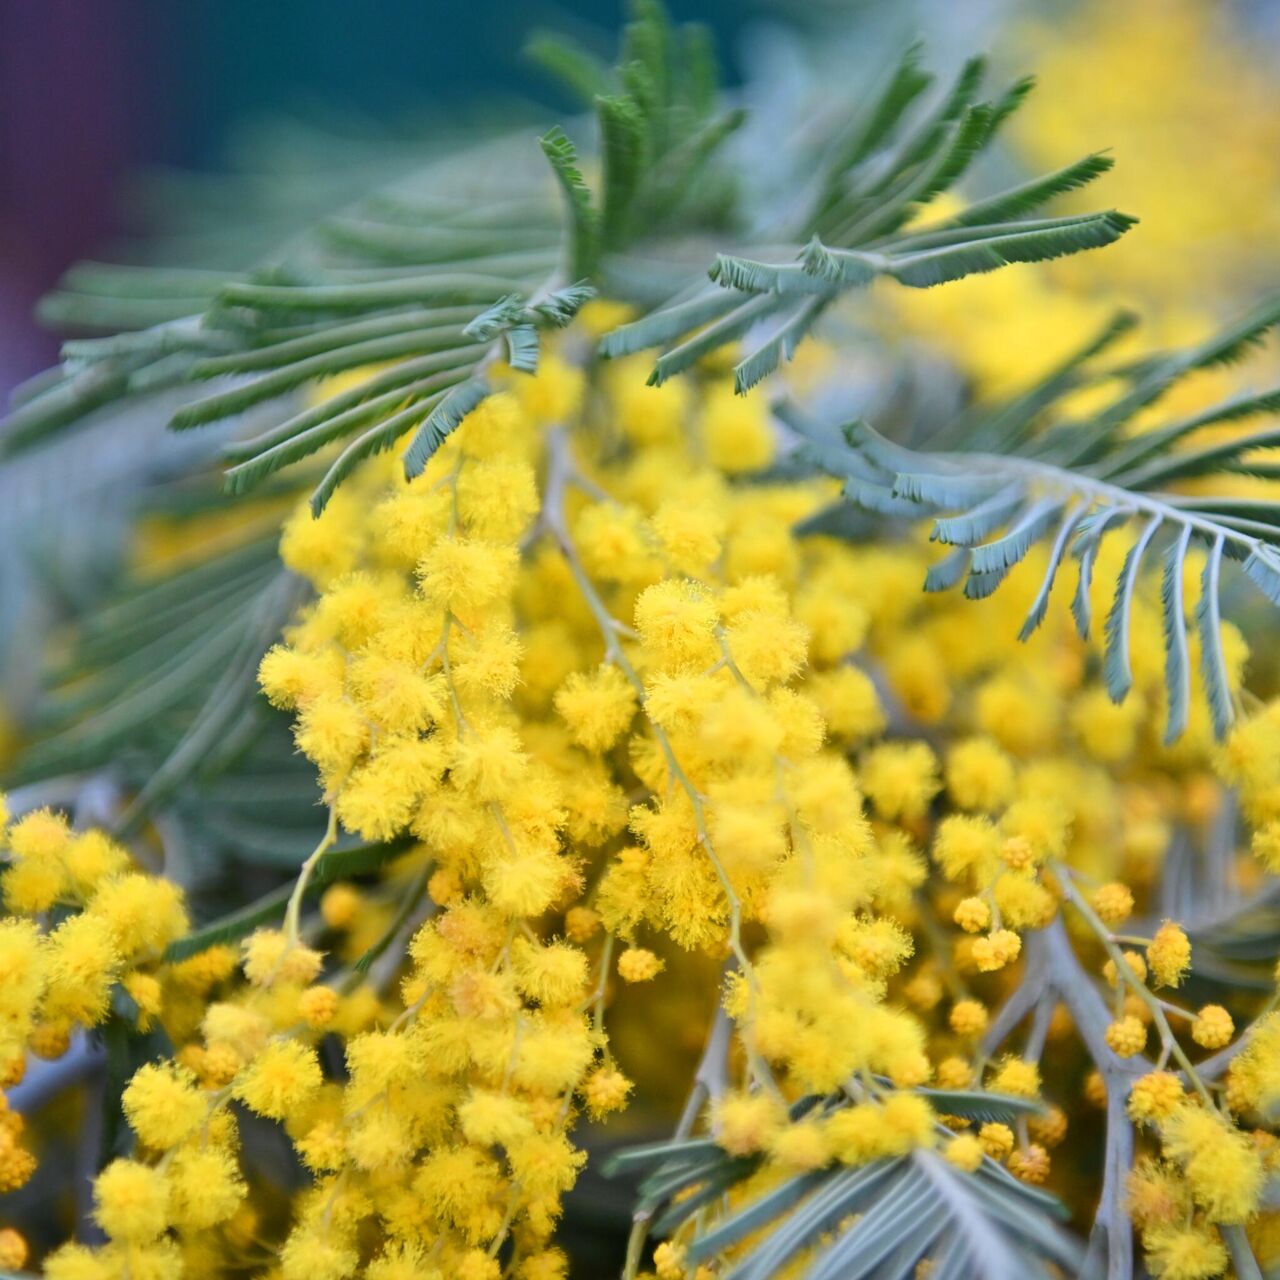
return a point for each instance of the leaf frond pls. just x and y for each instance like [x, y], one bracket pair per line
[1006, 472]
[881, 1219]
[442, 421]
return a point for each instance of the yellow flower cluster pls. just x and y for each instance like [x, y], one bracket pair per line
[618, 711]
[85, 931]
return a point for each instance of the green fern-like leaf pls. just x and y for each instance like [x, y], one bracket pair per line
[880, 173]
[437, 273]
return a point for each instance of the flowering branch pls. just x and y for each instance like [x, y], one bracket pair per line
[560, 469]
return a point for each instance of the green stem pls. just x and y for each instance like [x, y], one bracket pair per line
[294, 909]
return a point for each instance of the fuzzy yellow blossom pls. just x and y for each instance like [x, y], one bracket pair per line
[996, 1139]
[280, 1079]
[965, 1152]
[676, 621]
[857, 1134]
[668, 1261]
[291, 678]
[1155, 1096]
[332, 733]
[486, 1118]
[968, 1018]
[1169, 955]
[22, 980]
[954, 1073]
[163, 1105]
[13, 1249]
[41, 836]
[615, 545]
[1253, 1079]
[402, 1260]
[765, 647]
[317, 1255]
[998, 949]
[746, 1123]
[552, 975]
[1186, 1253]
[50, 1040]
[395, 696]
[597, 707]
[909, 1123]
[1041, 824]
[1266, 846]
[966, 847]
[1023, 902]
[465, 574]
[979, 775]
[323, 549]
[1050, 1128]
[924, 991]
[269, 956]
[1127, 1036]
[82, 961]
[131, 1201]
[497, 498]
[1018, 1077]
[1030, 1164]
[205, 1187]
[489, 764]
[606, 1090]
[1212, 1027]
[340, 905]
[318, 1005]
[17, 1164]
[1019, 714]
[322, 1147]
[144, 913]
[1222, 1167]
[1095, 1089]
[801, 1147]
[689, 533]
[90, 858]
[32, 886]
[737, 430]
[878, 946]
[636, 964]
[849, 703]
[972, 915]
[1113, 902]
[581, 924]
[900, 779]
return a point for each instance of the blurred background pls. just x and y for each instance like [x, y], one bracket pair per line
[93, 90]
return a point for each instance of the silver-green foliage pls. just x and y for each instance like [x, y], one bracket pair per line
[1009, 476]
[909, 1209]
[897, 154]
[468, 257]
